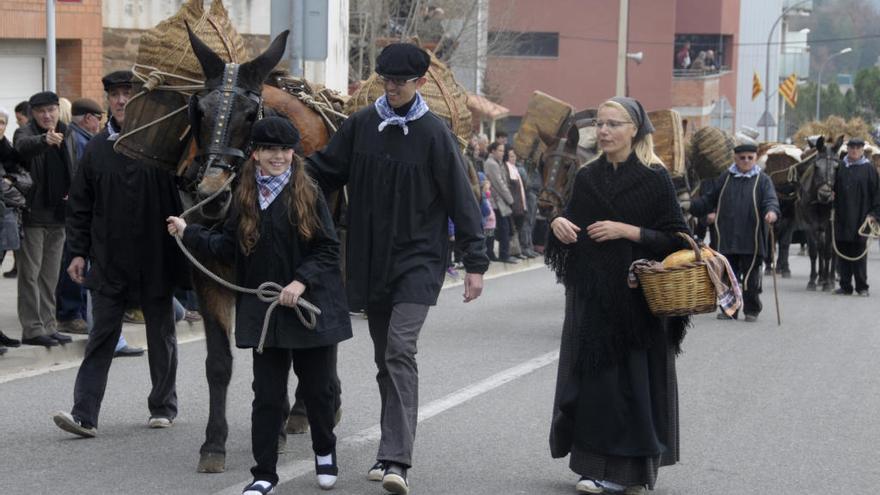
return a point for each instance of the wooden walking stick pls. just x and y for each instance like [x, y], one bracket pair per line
[773, 269]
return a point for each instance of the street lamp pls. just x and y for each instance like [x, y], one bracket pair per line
[819, 84]
[766, 116]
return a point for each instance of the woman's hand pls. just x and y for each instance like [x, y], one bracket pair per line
[176, 226]
[290, 294]
[564, 230]
[607, 230]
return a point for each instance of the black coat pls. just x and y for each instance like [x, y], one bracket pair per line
[402, 189]
[735, 218]
[30, 143]
[116, 220]
[856, 195]
[281, 256]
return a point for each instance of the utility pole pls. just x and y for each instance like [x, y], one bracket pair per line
[50, 45]
[622, 36]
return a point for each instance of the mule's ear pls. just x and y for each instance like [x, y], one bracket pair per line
[212, 64]
[838, 143]
[820, 144]
[572, 138]
[259, 68]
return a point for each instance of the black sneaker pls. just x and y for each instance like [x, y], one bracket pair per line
[8, 341]
[258, 487]
[11, 273]
[377, 471]
[842, 292]
[394, 480]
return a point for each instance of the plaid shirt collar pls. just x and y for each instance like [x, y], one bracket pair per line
[271, 186]
[751, 173]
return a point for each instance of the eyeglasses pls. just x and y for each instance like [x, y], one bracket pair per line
[396, 80]
[611, 124]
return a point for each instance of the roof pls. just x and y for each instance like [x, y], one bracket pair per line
[483, 107]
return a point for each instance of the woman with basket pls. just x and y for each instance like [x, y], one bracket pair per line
[616, 405]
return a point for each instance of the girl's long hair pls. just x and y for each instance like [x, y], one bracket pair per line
[301, 204]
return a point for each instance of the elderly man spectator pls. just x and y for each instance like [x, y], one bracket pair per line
[47, 152]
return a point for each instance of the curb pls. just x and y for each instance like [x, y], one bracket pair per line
[28, 360]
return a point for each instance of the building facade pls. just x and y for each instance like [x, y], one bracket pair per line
[23, 50]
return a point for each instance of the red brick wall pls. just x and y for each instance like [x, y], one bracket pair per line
[79, 40]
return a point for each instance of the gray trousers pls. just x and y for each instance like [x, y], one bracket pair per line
[395, 332]
[38, 263]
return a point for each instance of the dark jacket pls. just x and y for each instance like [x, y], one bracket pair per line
[30, 143]
[281, 256]
[116, 219]
[10, 195]
[735, 199]
[402, 190]
[856, 195]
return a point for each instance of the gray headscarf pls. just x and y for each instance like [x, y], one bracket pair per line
[638, 115]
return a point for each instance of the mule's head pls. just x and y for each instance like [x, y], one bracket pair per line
[824, 175]
[559, 164]
[222, 115]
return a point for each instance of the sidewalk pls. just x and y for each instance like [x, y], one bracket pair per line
[27, 360]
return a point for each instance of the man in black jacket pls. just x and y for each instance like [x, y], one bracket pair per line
[47, 152]
[742, 205]
[117, 217]
[856, 200]
[405, 181]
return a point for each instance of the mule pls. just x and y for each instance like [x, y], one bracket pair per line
[814, 209]
[221, 118]
[559, 165]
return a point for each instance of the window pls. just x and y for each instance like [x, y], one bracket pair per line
[719, 46]
[516, 44]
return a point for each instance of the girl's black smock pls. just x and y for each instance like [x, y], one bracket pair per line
[281, 256]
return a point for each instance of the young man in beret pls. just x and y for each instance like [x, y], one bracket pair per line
[405, 180]
[856, 199]
[47, 152]
[740, 193]
[118, 208]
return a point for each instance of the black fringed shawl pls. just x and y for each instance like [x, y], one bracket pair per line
[617, 317]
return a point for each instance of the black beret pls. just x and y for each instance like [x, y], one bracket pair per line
[274, 131]
[85, 106]
[117, 78]
[402, 60]
[746, 148]
[42, 99]
[855, 142]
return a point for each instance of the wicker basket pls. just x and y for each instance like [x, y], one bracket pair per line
[710, 152]
[681, 290]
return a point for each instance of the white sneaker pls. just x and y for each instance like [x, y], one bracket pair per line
[159, 422]
[377, 471]
[586, 485]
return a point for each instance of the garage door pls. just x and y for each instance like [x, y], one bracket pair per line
[22, 77]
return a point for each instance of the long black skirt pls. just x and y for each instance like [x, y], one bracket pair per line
[657, 368]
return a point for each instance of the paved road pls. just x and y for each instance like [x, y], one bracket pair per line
[785, 410]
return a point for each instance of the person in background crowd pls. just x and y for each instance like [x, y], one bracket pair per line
[699, 62]
[683, 56]
[501, 200]
[405, 180]
[856, 200]
[278, 209]
[483, 146]
[711, 64]
[533, 188]
[118, 212]
[616, 405]
[517, 188]
[22, 115]
[65, 108]
[12, 201]
[501, 138]
[47, 152]
[742, 206]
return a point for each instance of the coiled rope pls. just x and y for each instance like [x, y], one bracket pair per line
[869, 228]
[268, 292]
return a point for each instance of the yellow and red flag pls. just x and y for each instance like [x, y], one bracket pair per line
[788, 90]
[756, 86]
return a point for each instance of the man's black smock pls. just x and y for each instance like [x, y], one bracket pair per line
[735, 199]
[281, 256]
[402, 189]
[856, 195]
[116, 220]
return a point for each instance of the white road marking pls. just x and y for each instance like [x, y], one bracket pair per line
[292, 470]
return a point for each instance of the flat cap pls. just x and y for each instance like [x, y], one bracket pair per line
[117, 78]
[402, 60]
[856, 141]
[746, 148]
[274, 131]
[42, 99]
[85, 106]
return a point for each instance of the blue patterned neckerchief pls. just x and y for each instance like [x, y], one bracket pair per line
[862, 161]
[737, 174]
[111, 128]
[386, 113]
[271, 186]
